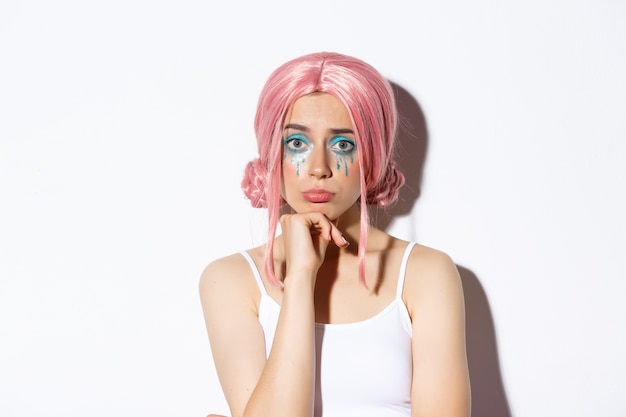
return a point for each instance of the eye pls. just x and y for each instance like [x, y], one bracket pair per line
[295, 143]
[342, 144]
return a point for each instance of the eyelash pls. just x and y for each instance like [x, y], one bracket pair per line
[289, 143]
[342, 140]
[335, 144]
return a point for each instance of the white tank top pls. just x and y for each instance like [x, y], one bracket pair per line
[363, 368]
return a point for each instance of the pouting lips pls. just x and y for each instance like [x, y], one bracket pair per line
[318, 196]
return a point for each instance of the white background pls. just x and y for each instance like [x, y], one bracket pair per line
[125, 127]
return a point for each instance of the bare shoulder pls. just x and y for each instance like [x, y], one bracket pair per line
[223, 270]
[228, 278]
[425, 261]
[431, 271]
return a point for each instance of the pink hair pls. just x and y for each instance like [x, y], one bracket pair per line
[371, 105]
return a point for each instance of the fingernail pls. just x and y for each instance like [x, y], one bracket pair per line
[345, 241]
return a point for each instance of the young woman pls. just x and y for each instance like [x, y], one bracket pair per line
[333, 317]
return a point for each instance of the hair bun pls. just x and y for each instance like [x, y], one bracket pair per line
[388, 189]
[254, 183]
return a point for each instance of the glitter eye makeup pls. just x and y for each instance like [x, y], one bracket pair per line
[344, 149]
[297, 148]
[342, 144]
[296, 145]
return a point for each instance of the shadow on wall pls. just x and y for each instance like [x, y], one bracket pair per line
[410, 154]
[488, 395]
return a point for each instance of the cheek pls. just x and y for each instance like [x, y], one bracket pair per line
[346, 164]
[352, 177]
[291, 170]
[291, 174]
[293, 163]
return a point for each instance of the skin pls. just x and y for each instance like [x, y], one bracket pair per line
[317, 252]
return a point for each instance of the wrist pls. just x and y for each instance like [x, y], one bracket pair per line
[300, 281]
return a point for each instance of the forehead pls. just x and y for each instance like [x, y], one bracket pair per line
[319, 110]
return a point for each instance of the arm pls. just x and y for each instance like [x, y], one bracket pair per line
[235, 335]
[282, 385]
[434, 296]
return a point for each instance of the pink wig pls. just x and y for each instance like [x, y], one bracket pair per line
[371, 105]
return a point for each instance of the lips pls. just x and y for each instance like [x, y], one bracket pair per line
[315, 195]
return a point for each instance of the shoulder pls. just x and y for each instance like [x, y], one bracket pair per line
[431, 274]
[228, 278]
[223, 269]
[425, 262]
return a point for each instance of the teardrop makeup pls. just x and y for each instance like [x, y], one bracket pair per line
[320, 157]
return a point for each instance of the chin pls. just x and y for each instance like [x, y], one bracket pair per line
[329, 212]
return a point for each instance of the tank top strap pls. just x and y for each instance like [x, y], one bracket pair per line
[255, 271]
[402, 274]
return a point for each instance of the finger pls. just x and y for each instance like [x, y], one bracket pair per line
[338, 237]
[316, 223]
[329, 229]
[320, 224]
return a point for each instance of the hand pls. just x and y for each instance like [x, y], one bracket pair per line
[306, 237]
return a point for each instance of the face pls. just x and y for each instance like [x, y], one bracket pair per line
[320, 163]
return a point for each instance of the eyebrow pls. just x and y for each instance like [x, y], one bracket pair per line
[302, 128]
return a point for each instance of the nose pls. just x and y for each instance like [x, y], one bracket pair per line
[319, 164]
